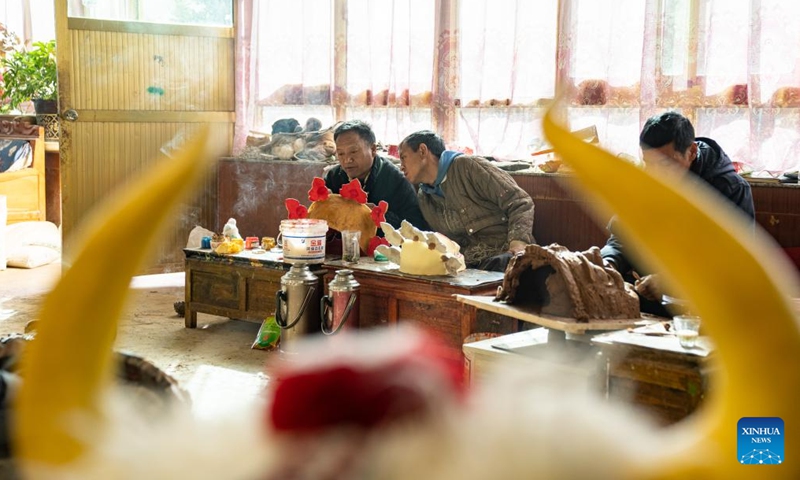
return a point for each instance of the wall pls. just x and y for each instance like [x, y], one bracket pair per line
[561, 214]
[778, 212]
[253, 192]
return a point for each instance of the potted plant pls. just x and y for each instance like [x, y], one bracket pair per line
[30, 74]
[8, 44]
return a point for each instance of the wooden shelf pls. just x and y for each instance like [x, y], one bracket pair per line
[566, 325]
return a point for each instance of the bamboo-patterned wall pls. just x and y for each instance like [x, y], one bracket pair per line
[133, 71]
[138, 89]
[111, 154]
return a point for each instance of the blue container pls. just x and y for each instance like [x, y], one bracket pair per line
[205, 242]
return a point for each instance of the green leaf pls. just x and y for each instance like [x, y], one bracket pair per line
[30, 74]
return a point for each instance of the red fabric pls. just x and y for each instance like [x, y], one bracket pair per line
[365, 394]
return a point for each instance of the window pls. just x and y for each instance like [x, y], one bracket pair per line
[507, 74]
[294, 45]
[29, 24]
[380, 70]
[741, 81]
[389, 65]
[185, 12]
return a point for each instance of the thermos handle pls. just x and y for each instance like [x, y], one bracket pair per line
[325, 303]
[281, 296]
[280, 300]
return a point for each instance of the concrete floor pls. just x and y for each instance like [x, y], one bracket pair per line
[213, 362]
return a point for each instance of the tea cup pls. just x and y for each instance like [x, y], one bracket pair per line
[687, 329]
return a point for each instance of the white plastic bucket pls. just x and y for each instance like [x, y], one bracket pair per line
[303, 240]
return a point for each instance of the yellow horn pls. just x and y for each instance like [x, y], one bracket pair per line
[67, 366]
[736, 283]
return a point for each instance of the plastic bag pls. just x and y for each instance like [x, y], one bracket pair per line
[268, 336]
[196, 236]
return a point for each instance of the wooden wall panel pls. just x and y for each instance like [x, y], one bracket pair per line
[561, 215]
[132, 71]
[108, 155]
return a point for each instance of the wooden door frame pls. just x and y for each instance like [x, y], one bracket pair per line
[121, 112]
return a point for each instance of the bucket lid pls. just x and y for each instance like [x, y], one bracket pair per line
[304, 223]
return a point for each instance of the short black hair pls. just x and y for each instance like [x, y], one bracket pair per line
[667, 128]
[431, 140]
[363, 129]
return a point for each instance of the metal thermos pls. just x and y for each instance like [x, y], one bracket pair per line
[340, 307]
[297, 310]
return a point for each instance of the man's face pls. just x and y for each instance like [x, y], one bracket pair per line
[411, 163]
[668, 156]
[355, 155]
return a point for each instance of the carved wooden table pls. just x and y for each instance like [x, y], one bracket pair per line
[240, 286]
[390, 297]
[655, 372]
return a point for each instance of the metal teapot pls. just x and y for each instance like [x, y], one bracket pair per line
[342, 301]
[297, 305]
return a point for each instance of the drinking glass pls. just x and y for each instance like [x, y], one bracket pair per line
[351, 246]
[687, 328]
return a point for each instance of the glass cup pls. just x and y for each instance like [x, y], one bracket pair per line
[351, 246]
[687, 329]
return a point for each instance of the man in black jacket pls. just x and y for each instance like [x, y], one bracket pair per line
[669, 138]
[379, 177]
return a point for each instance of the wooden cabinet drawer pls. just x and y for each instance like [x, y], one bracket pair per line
[374, 310]
[436, 315]
[665, 384]
[261, 294]
[221, 289]
[391, 298]
[667, 405]
[490, 322]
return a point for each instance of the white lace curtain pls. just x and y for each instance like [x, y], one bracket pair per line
[481, 72]
[29, 21]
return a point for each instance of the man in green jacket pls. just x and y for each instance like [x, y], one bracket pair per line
[379, 177]
[469, 200]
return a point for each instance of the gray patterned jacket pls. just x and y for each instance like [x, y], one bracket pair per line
[483, 209]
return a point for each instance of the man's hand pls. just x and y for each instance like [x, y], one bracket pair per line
[649, 287]
[609, 263]
[516, 246]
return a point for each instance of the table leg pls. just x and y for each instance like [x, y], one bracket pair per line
[469, 320]
[190, 317]
[189, 314]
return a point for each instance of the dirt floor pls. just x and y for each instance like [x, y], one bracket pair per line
[213, 362]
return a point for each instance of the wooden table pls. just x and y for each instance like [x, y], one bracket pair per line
[391, 297]
[655, 372]
[240, 286]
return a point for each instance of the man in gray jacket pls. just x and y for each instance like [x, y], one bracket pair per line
[469, 200]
